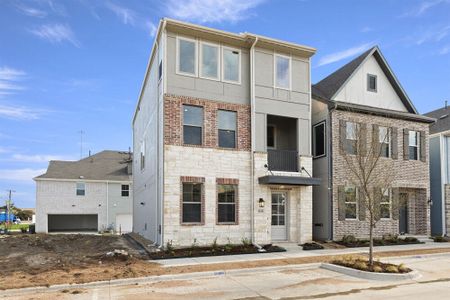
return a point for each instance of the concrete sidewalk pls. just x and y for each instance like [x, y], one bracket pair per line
[292, 251]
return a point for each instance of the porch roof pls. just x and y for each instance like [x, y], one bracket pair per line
[289, 180]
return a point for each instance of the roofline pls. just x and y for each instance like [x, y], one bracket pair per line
[440, 133]
[81, 179]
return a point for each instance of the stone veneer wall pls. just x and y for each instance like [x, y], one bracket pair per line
[410, 174]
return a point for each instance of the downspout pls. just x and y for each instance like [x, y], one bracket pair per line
[330, 170]
[443, 153]
[161, 160]
[107, 204]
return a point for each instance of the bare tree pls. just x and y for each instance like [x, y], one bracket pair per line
[370, 172]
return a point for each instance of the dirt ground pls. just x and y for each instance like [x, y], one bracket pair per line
[43, 260]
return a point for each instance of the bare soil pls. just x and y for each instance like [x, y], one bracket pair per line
[44, 260]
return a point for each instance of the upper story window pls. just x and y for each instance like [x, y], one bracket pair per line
[227, 128]
[125, 190]
[351, 138]
[319, 139]
[81, 189]
[350, 202]
[142, 155]
[231, 65]
[384, 137]
[282, 72]
[192, 124]
[414, 137]
[271, 137]
[385, 205]
[209, 61]
[372, 84]
[187, 56]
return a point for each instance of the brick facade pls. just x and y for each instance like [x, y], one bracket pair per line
[228, 181]
[411, 176]
[173, 121]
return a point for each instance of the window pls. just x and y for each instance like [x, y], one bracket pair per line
[385, 205]
[125, 190]
[192, 203]
[371, 83]
[414, 145]
[226, 203]
[350, 202]
[209, 61]
[384, 137]
[271, 137]
[282, 72]
[143, 155]
[160, 70]
[187, 56]
[81, 189]
[231, 65]
[319, 140]
[227, 129]
[192, 124]
[351, 138]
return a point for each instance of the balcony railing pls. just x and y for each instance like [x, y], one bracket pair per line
[282, 160]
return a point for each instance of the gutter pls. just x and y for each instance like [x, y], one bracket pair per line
[252, 133]
[330, 170]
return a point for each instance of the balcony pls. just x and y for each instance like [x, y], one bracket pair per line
[282, 160]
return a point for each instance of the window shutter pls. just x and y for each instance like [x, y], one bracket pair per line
[405, 144]
[362, 139]
[361, 204]
[423, 150]
[341, 203]
[376, 204]
[394, 143]
[395, 203]
[376, 140]
[342, 135]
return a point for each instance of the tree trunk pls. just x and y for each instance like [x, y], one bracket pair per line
[371, 242]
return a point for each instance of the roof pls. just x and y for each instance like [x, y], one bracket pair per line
[107, 165]
[442, 119]
[329, 87]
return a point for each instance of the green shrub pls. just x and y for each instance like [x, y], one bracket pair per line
[214, 245]
[246, 242]
[349, 239]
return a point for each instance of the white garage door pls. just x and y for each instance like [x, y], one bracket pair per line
[124, 223]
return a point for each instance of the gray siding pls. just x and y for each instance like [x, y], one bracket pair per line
[206, 88]
[436, 186]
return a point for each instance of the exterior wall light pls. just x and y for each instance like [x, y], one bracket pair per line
[261, 203]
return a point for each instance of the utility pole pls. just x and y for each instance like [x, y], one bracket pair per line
[8, 204]
[81, 132]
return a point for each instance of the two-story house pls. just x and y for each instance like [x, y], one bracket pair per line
[439, 140]
[222, 139]
[366, 94]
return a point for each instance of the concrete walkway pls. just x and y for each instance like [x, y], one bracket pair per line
[293, 251]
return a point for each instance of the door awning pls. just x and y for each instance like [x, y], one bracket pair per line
[289, 180]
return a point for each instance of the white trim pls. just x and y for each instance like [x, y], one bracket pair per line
[177, 56]
[275, 55]
[223, 65]
[84, 180]
[219, 53]
[356, 203]
[390, 205]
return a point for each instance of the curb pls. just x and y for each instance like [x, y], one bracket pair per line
[413, 275]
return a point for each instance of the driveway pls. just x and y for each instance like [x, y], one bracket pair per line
[282, 282]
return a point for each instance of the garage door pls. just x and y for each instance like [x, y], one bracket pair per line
[124, 223]
[58, 223]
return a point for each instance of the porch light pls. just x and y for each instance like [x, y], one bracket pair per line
[261, 203]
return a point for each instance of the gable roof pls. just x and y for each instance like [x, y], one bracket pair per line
[107, 165]
[442, 116]
[330, 86]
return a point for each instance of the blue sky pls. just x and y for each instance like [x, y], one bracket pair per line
[74, 65]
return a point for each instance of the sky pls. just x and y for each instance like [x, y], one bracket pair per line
[72, 66]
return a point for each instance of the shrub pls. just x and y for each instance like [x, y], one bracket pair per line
[194, 244]
[392, 238]
[410, 239]
[440, 239]
[402, 268]
[392, 269]
[361, 265]
[349, 239]
[377, 269]
[214, 245]
[246, 242]
[312, 246]
[169, 246]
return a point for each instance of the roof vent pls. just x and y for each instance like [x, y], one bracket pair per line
[81, 177]
[443, 117]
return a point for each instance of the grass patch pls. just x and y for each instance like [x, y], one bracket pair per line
[15, 226]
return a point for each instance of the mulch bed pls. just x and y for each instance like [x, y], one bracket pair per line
[312, 246]
[353, 243]
[378, 267]
[441, 239]
[214, 251]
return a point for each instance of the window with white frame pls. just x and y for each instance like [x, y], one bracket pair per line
[351, 206]
[384, 137]
[351, 138]
[319, 140]
[227, 128]
[125, 190]
[282, 72]
[209, 61]
[231, 65]
[414, 137]
[81, 189]
[385, 204]
[192, 125]
[187, 56]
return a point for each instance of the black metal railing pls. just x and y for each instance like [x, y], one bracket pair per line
[282, 160]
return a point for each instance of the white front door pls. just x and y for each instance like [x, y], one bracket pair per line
[279, 227]
[124, 223]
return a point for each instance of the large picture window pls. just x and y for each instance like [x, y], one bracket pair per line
[319, 144]
[192, 124]
[350, 203]
[192, 202]
[226, 203]
[384, 137]
[414, 137]
[227, 128]
[209, 61]
[282, 72]
[187, 56]
[231, 65]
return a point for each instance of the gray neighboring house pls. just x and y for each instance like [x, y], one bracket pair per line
[440, 171]
[365, 93]
[92, 194]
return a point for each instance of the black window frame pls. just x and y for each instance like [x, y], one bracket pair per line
[226, 203]
[190, 126]
[219, 130]
[274, 136]
[125, 192]
[314, 134]
[185, 203]
[416, 154]
[369, 78]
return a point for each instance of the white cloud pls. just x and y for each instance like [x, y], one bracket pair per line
[126, 15]
[445, 50]
[9, 79]
[20, 174]
[31, 11]
[211, 11]
[56, 33]
[39, 158]
[435, 35]
[19, 112]
[338, 56]
[4, 149]
[7, 73]
[366, 29]
[423, 7]
[151, 28]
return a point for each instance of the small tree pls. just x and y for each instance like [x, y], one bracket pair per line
[370, 172]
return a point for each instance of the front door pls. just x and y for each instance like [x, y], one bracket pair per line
[403, 213]
[279, 228]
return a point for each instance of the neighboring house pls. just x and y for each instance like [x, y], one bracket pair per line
[222, 139]
[439, 140]
[366, 93]
[92, 194]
